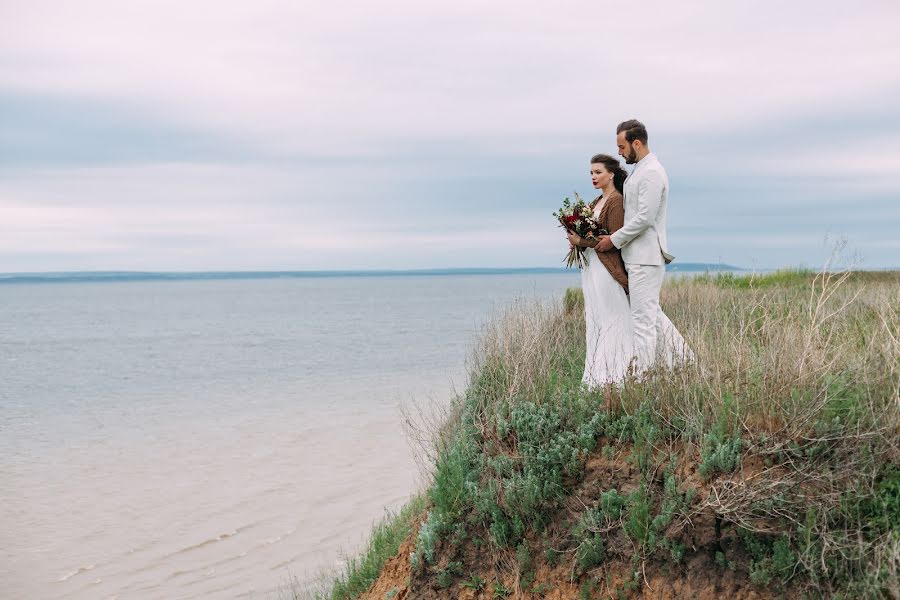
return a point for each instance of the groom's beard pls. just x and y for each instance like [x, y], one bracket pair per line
[631, 158]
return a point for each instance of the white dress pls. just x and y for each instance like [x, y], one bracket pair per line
[607, 317]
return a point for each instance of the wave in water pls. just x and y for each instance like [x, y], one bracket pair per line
[218, 538]
[77, 571]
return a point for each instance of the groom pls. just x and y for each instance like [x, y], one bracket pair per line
[642, 238]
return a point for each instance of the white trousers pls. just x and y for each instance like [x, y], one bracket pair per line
[644, 284]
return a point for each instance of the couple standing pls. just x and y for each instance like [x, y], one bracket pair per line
[627, 331]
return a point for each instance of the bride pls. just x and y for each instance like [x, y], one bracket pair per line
[607, 313]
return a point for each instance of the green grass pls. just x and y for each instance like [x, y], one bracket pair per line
[795, 367]
[782, 277]
[797, 370]
[360, 572]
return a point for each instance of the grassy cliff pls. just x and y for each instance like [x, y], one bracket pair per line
[769, 467]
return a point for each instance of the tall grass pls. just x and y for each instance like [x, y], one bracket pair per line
[791, 410]
[795, 369]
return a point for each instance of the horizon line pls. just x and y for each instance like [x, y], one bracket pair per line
[125, 276]
[112, 275]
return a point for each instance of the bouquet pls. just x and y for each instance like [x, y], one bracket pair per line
[578, 218]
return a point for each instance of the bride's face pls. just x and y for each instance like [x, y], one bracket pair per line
[600, 176]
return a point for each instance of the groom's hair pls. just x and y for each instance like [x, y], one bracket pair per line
[634, 130]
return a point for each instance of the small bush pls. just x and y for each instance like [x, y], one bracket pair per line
[612, 503]
[591, 545]
[474, 582]
[637, 524]
[500, 590]
[770, 558]
[721, 450]
[428, 537]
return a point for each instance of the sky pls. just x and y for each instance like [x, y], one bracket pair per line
[292, 135]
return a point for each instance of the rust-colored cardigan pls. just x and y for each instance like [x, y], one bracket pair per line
[611, 218]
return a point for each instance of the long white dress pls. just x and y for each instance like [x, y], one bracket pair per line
[607, 316]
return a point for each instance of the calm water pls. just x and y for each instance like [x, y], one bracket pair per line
[210, 439]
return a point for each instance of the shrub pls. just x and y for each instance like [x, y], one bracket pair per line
[587, 533]
[721, 451]
[428, 537]
[637, 524]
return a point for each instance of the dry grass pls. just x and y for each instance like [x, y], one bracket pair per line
[803, 368]
[795, 373]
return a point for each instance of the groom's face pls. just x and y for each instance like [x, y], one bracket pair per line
[626, 149]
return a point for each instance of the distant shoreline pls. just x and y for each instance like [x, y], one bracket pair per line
[121, 276]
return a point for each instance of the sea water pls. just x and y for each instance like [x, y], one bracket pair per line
[216, 438]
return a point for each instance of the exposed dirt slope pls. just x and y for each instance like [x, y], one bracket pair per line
[713, 565]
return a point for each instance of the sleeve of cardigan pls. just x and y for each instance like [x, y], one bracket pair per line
[616, 214]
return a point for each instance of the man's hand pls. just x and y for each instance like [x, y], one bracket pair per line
[574, 238]
[604, 244]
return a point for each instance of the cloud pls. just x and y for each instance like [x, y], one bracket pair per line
[50, 130]
[309, 75]
[279, 134]
[866, 164]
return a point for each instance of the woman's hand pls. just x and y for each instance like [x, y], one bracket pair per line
[574, 239]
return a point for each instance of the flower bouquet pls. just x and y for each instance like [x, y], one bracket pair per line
[578, 218]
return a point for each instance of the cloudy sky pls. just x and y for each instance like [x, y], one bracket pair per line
[270, 134]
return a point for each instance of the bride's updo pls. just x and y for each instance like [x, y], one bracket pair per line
[612, 165]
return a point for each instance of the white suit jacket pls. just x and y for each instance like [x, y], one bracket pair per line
[643, 237]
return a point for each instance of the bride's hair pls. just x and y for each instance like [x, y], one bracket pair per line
[612, 165]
